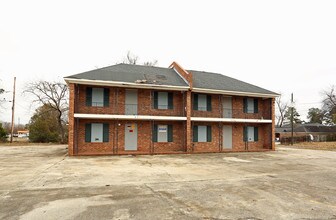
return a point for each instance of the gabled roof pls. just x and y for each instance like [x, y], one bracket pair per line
[133, 74]
[137, 76]
[216, 81]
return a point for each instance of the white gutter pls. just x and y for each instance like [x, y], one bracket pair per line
[236, 120]
[126, 84]
[130, 117]
[224, 92]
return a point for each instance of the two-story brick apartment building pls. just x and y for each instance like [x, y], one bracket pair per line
[132, 109]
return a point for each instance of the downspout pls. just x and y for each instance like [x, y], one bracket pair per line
[117, 138]
[113, 142]
[76, 135]
[220, 137]
[152, 143]
[192, 137]
[271, 117]
[76, 125]
[116, 93]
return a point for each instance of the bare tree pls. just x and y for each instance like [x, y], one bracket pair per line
[1, 99]
[329, 105]
[133, 59]
[281, 110]
[55, 96]
[150, 63]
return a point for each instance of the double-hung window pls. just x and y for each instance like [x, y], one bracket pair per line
[250, 105]
[162, 133]
[201, 102]
[250, 134]
[163, 100]
[97, 132]
[202, 133]
[98, 97]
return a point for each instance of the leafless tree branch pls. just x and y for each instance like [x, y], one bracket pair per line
[54, 95]
[281, 109]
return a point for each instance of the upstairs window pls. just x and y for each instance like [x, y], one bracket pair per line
[98, 97]
[163, 100]
[202, 134]
[162, 133]
[250, 134]
[96, 132]
[250, 105]
[202, 102]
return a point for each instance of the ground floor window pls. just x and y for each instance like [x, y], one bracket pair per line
[96, 132]
[202, 133]
[250, 134]
[163, 133]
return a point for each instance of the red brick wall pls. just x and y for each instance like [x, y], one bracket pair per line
[116, 144]
[178, 144]
[94, 148]
[238, 133]
[212, 146]
[216, 109]
[182, 131]
[81, 105]
[145, 101]
[237, 108]
[117, 103]
[237, 138]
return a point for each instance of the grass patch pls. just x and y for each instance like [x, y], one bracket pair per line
[329, 146]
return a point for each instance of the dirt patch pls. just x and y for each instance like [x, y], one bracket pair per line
[329, 146]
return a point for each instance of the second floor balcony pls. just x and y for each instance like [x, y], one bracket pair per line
[132, 109]
[232, 113]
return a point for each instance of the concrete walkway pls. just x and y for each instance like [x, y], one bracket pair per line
[41, 182]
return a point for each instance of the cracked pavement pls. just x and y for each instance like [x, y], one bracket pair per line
[42, 182]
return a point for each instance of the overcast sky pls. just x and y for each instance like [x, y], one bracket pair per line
[283, 46]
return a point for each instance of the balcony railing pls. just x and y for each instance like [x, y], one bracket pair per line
[176, 110]
[132, 109]
[231, 113]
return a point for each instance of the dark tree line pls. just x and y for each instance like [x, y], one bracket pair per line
[325, 115]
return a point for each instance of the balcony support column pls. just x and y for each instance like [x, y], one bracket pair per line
[272, 102]
[188, 124]
[71, 125]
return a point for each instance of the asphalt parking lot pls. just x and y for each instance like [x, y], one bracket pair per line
[42, 182]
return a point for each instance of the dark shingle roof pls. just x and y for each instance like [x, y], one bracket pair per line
[308, 128]
[167, 76]
[315, 128]
[132, 73]
[216, 81]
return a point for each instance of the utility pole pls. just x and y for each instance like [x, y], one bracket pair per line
[292, 117]
[13, 108]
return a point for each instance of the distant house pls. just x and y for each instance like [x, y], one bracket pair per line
[23, 133]
[133, 109]
[319, 132]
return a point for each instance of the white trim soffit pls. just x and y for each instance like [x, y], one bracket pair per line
[125, 84]
[237, 120]
[130, 117]
[214, 91]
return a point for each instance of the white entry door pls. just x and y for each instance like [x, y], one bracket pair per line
[131, 102]
[131, 136]
[227, 137]
[227, 107]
